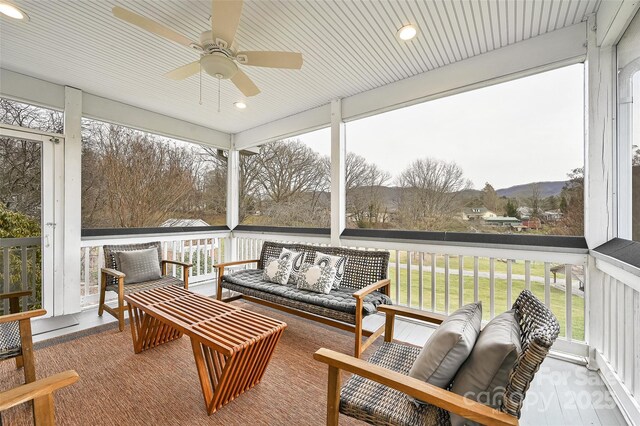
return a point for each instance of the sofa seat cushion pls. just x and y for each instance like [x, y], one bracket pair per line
[378, 404]
[338, 299]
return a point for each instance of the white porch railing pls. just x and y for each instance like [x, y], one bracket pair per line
[615, 339]
[21, 260]
[203, 250]
[441, 278]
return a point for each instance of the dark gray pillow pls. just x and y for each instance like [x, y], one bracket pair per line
[484, 376]
[139, 265]
[449, 346]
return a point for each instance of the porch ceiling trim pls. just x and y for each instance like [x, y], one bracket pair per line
[43, 93]
[545, 52]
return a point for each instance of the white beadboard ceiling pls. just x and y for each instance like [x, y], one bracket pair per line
[349, 46]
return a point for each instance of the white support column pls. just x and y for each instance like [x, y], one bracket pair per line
[72, 224]
[338, 189]
[233, 197]
[600, 102]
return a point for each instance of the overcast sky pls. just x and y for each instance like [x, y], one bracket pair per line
[526, 130]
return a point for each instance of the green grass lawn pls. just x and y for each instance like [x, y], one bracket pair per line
[517, 267]
[557, 300]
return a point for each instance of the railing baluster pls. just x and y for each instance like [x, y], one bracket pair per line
[621, 326]
[420, 281]
[492, 287]
[460, 281]
[86, 270]
[397, 277]
[446, 284]
[433, 282]
[198, 255]
[6, 277]
[527, 275]
[24, 283]
[606, 326]
[509, 284]
[476, 279]
[409, 253]
[569, 300]
[547, 284]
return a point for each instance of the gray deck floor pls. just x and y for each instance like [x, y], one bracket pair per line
[562, 394]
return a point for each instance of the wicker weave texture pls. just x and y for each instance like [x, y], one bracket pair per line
[363, 267]
[540, 328]
[10, 342]
[111, 260]
[378, 404]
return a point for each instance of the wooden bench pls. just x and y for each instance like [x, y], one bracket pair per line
[231, 346]
[364, 286]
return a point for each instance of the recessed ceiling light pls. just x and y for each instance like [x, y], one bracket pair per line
[240, 105]
[407, 32]
[13, 11]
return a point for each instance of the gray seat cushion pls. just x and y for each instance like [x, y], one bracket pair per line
[338, 299]
[378, 404]
[148, 285]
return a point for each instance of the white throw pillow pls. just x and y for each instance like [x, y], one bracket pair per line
[316, 278]
[337, 262]
[277, 271]
[297, 259]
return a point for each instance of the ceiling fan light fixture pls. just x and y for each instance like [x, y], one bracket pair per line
[240, 105]
[219, 65]
[13, 11]
[407, 32]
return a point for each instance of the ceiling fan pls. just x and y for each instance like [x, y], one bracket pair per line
[218, 54]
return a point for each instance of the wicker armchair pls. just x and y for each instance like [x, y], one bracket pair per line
[113, 280]
[376, 393]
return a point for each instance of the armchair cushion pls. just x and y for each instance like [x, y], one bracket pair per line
[485, 374]
[10, 342]
[139, 265]
[449, 346]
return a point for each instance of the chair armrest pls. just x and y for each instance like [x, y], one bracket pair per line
[176, 262]
[14, 294]
[237, 262]
[20, 316]
[114, 273]
[404, 311]
[423, 391]
[371, 288]
[33, 390]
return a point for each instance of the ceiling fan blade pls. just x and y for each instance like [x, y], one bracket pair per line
[184, 71]
[225, 18]
[244, 83]
[289, 60]
[150, 25]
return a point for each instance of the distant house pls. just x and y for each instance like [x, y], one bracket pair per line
[524, 212]
[503, 221]
[184, 223]
[532, 223]
[476, 213]
[552, 215]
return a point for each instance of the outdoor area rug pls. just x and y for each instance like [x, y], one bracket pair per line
[161, 386]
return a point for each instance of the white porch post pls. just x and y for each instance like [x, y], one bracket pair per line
[338, 190]
[233, 198]
[72, 223]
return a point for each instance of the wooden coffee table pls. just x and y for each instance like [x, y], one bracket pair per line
[232, 346]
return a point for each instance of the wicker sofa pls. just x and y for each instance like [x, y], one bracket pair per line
[364, 287]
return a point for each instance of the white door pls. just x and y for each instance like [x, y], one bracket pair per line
[30, 196]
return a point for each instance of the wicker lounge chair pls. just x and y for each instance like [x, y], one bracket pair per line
[364, 287]
[113, 280]
[377, 391]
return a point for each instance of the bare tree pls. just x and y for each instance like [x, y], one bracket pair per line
[365, 191]
[490, 198]
[430, 191]
[137, 179]
[535, 200]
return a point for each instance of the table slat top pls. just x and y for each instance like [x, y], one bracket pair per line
[225, 327]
